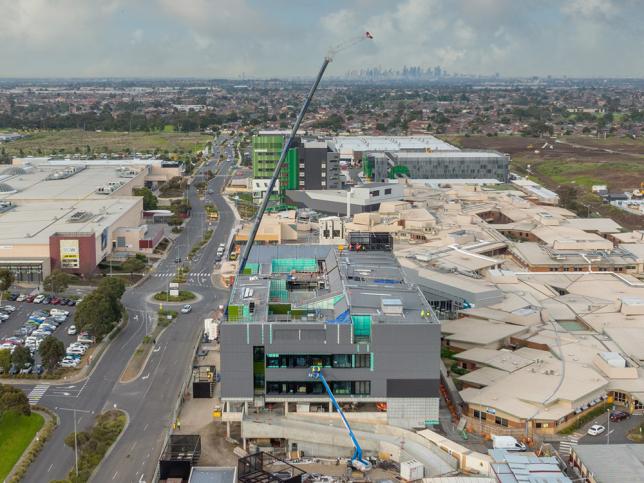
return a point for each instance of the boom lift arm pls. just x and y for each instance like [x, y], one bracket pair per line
[357, 461]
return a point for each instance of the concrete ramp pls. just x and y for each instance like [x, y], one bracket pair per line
[330, 436]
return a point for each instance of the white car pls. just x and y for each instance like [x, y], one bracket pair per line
[39, 299]
[8, 308]
[21, 297]
[186, 309]
[4, 316]
[71, 330]
[596, 430]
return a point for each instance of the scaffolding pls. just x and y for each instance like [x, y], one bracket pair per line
[361, 326]
[278, 290]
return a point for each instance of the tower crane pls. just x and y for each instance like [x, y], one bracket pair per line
[357, 461]
[333, 51]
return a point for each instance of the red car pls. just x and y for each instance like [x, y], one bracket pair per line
[55, 301]
[616, 416]
[30, 299]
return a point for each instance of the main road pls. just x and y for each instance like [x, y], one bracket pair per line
[150, 399]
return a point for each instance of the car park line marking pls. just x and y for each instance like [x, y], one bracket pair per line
[50, 467]
[113, 477]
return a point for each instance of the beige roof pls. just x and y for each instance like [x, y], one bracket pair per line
[504, 360]
[629, 339]
[628, 237]
[477, 331]
[601, 225]
[483, 376]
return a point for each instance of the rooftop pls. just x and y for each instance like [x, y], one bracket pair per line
[346, 144]
[317, 283]
[615, 463]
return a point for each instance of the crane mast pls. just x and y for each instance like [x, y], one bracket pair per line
[288, 144]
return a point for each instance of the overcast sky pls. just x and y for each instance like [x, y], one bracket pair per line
[265, 38]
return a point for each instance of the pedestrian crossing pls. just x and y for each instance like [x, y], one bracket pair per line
[195, 274]
[566, 446]
[37, 393]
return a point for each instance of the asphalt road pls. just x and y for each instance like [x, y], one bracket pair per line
[150, 399]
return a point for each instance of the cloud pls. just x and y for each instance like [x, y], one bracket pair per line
[266, 38]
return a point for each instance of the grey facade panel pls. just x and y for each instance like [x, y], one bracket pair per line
[412, 387]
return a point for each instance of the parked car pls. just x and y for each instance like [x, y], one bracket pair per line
[596, 430]
[38, 299]
[55, 300]
[71, 303]
[71, 330]
[39, 369]
[46, 300]
[56, 311]
[26, 369]
[8, 308]
[14, 296]
[617, 416]
[13, 370]
[4, 316]
[21, 298]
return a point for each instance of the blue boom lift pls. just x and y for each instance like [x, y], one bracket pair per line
[357, 461]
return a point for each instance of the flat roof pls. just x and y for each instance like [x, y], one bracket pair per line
[346, 144]
[478, 331]
[34, 223]
[613, 463]
[334, 283]
[34, 185]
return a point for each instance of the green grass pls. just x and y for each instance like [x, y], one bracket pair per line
[586, 174]
[43, 143]
[16, 432]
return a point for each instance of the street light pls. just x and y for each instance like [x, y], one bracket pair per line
[74, 410]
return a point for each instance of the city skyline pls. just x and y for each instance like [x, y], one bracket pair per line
[247, 38]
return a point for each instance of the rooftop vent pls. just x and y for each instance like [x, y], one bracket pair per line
[7, 189]
[80, 216]
[14, 171]
[392, 307]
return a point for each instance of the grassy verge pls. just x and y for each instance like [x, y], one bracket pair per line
[94, 444]
[16, 432]
[184, 296]
[200, 244]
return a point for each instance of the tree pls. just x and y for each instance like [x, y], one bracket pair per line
[6, 280]
[52, 351]
[114, 286]
[5, 360]
[150, 202]
[21, 356]
[13, 399]
[98, 312]
[57, 281]
[133, 265]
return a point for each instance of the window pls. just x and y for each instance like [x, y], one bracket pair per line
[341, 360]
[619, 397]
[362, 388]
[363, 360]
[501, 421]
[374, 193]
[120, 241]
[341, 387]
[323, 183]
[478, 414]
[387, 191]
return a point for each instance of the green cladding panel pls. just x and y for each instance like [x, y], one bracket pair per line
[286, 265]
[266, 152]
[361, 325]
[293, 170]
[367, 166]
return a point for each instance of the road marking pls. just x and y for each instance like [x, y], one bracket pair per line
[133, 445]
[37, 393]
[157, 349]
[146, 376]
[50, 467]
[145, 427]
[113, 477]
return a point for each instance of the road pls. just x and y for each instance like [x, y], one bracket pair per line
[149, 400]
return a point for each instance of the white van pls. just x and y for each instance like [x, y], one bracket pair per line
[508, 443]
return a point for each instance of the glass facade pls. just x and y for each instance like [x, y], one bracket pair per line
[339, 388]
[25, 272]
[300, 361]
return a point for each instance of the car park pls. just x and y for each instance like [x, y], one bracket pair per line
[596, 430]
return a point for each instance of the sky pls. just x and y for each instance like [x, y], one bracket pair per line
[289, 38]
